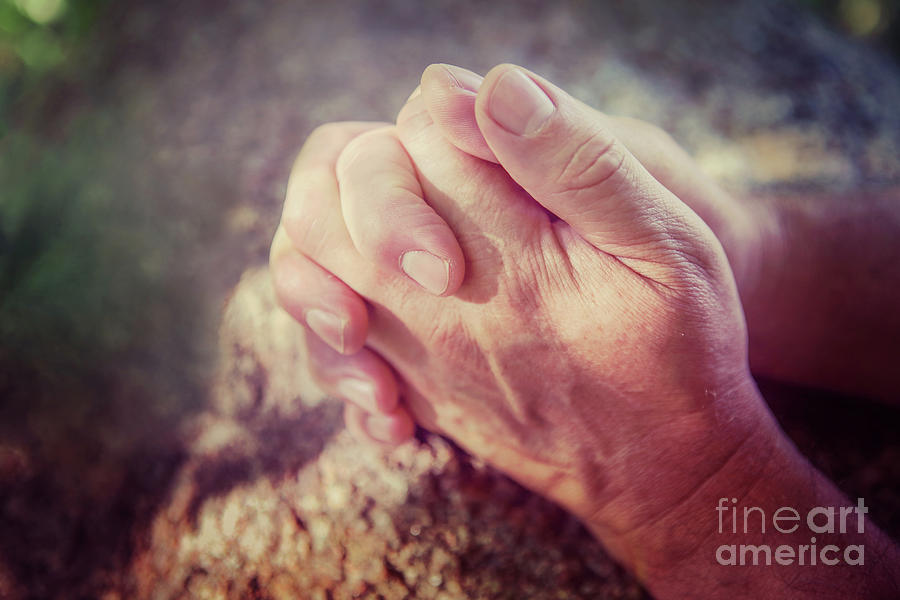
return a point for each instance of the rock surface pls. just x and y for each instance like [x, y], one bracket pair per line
[276, 500]
[253, 490]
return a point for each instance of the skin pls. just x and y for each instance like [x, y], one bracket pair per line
[590, 288]
[337, 359]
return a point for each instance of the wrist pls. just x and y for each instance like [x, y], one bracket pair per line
[744, 533]
[666, 521]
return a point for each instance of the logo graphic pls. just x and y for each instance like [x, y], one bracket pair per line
[819, 520]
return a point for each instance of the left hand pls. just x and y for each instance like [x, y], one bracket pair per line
[599, 358]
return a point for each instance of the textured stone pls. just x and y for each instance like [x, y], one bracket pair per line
[350, 520]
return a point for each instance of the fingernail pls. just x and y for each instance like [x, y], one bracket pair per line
[426, 269]
[359, 392]
[518, 104]
[463, 78]
[327, 326]
[379, 427]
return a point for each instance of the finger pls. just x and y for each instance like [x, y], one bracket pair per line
[317, 298]
[312, 216]
[387, 217]
[450, 94]
[673, 167]
[587, 176]
[484, 207]
[391, 429]
[363, 378]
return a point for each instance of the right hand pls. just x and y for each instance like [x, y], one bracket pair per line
[397, 222]
[598, 357]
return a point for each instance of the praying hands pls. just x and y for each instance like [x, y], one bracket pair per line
[563, 293]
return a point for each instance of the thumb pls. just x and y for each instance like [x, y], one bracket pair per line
[564, 154]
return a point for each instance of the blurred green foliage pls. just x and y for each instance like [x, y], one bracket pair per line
[40, 259]
[73, 264]
[95, 305]
[94, 297]
[36, 37]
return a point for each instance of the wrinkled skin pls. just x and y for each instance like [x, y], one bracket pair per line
[598, 358]
[533, 279]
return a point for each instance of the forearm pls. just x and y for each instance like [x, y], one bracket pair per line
[700, 549]
[821, 293]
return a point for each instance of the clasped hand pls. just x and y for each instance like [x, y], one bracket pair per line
[535, 279]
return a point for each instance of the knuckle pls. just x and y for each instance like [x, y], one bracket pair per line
[307, 179]
[386, 237]
[663, 137]
[378, 242]
[280, 286]
[351, 154]
[401, 222]
[597, 163]
[378, 150]
[325, 133]
[280, 246]
[659, 134]
[665, 144]
[308, 195]
[649, 130]
[322, 142]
